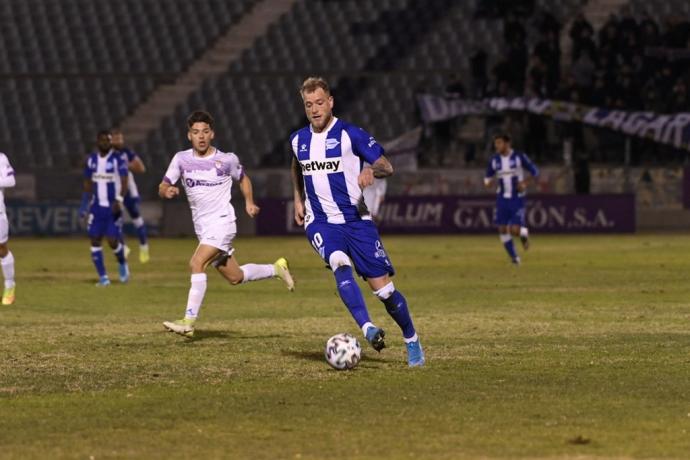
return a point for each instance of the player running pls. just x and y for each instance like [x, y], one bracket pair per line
[506, 172]
[105, 182]
[328, 179]
[7, 180]
[132, 200]
[207, 175]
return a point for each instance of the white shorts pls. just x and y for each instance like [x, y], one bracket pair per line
[218, 234]
[4, 228]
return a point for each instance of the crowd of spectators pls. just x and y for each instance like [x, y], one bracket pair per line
[626, 65]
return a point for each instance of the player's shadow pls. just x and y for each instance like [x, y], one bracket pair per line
[319, 356]
[210, 334]
[221, 334]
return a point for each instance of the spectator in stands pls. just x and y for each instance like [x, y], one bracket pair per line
[536, 86]
[678, 102]
[455, 87]
[480, 79]
[582, 36]
[548, 51]
[516, 61]
[583, 70]
[649, 31]
[677, 33]
[601, 93]
[513, 30]
[547, 23]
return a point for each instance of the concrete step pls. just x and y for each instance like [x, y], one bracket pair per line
[214, 62]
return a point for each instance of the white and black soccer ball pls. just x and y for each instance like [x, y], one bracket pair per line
[343, 351]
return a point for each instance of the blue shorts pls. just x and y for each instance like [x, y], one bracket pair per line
[359, 240]
[132, 205]
[102, 222]
[510, 212]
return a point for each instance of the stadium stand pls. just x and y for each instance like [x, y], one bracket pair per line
[377, 55]
[71, 67]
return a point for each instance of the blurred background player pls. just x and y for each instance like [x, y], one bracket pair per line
[374, 195]
[7, 180]
[207, 175]
[328, 179]
[105, 181]
[131, 198]
[506, 172]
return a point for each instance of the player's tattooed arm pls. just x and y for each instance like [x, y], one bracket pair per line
[297, 191]
[380, 169]
[248, 193]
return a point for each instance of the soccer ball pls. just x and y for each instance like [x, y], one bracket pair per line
[343, 351]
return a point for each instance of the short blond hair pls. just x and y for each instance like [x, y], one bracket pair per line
[311, 84]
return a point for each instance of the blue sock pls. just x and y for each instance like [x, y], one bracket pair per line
[396, 306]
[351, 295]
[507, 241]
[97, 257]
[119, 252]
[141, 230]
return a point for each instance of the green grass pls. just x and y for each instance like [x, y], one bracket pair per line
[582, 352]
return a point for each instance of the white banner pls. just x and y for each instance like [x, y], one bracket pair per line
[672, 129]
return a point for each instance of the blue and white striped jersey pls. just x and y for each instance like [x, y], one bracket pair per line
[510, 170]
[129, 155]
[331, 162]
[105, 172]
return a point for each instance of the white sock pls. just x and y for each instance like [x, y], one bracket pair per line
[414, 338]
[255, 272]
[138, 222]
[524, 232]
[196, 295]
[366, 326]
[7, 263]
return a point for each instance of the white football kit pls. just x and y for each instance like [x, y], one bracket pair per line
[7, 180]
[208, 184]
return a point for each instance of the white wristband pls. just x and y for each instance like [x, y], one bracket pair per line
[119, 198]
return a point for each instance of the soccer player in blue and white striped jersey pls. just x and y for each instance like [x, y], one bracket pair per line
[132, 200]
[105, 182]
[328, 178]
[506, 173]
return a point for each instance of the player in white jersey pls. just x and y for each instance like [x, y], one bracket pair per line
[207, 175]
[328, 178]
[7, 180]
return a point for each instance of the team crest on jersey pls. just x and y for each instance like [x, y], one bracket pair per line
[331, 143]
[303, 148]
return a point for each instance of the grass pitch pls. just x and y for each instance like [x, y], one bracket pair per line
[582, 352]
